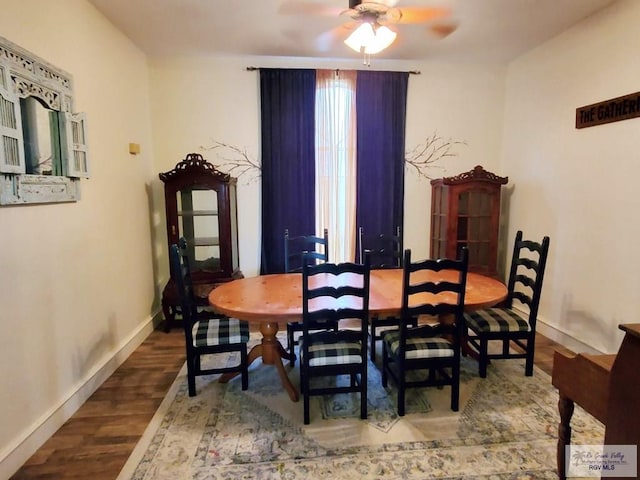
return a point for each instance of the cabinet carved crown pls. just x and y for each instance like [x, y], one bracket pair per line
[194, 164]
[476, 174]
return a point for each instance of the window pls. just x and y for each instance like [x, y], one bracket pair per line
[43, 148]
[335, 140]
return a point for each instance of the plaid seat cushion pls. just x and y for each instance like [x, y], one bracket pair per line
[494, 320]
[341, 352]
[219, 331]
[418, 346]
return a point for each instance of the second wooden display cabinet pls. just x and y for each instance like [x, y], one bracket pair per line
[465, 212]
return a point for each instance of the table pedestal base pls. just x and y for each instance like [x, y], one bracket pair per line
[272, 353]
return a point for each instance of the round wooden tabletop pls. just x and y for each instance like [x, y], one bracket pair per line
[278, 297]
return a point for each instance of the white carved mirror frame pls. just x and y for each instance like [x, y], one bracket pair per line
[43, 148]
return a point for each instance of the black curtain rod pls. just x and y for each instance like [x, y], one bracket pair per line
[410, 72]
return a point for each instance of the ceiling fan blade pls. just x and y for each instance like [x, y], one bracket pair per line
[443, 30]
[416, 14]
[293, 7]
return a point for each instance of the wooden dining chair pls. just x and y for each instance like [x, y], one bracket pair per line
[206, 332]
[314, 250]
[334, 352]
[433, 349]
[385, 251]
[507, 323]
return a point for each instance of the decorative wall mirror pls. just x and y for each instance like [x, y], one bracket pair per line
[43, 148]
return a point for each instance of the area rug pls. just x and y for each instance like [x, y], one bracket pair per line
[506, 429]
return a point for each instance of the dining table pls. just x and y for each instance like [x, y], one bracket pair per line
[274, 299]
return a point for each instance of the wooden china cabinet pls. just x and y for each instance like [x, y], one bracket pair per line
[465, 212]
[201, 206]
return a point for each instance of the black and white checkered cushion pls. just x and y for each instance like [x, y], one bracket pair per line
[495, 320]
[341, 352]
[220, 331]
[418, 346]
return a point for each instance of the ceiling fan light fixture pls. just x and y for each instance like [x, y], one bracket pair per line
[369, 40]
[382, 39]
[360, 37]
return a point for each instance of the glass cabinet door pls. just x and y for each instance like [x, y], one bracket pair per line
[198, 223]
[474, 225]
[439, 215]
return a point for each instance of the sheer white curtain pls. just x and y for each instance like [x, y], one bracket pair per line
[336, 161]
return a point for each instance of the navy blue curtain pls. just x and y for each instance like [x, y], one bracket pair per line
[287, 100]
[381, 104]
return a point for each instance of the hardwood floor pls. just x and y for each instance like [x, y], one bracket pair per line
[96, 442]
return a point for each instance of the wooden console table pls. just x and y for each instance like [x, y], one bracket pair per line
[606, 386]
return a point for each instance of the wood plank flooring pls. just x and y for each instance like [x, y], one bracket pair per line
[96, 442]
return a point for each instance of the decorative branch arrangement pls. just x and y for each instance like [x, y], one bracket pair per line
[234, 160]
[424, 156]
[237, 162]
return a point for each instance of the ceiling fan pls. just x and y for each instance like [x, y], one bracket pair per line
[368, 30]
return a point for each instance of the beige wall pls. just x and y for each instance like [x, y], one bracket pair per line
[76, 290]
[579, 186]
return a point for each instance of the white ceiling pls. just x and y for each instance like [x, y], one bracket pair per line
[487, 30]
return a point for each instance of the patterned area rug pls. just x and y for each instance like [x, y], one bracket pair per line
[506, 429]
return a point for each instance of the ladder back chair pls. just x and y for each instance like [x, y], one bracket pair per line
[315, 250]
[507, 324]
[385, 251]
[434, 349]
[335, 292]
[206, 332]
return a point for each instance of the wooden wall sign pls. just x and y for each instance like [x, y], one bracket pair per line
[614, 110]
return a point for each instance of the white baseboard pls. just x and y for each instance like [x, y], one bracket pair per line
[560, 336]
[22, 448]
[564, 339]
